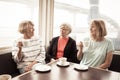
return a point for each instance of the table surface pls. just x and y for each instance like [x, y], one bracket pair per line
[69, 73]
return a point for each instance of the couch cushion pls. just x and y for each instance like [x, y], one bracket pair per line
[115, 64]
[7, 65]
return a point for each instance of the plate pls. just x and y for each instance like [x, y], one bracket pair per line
[42, 68]
[66, 64]
[80, 67]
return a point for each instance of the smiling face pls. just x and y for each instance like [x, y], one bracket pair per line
[65, 29]
[30, 30]
[27, 29]
[93, 29]
[98, 29]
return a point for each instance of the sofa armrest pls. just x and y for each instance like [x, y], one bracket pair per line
[115, 64]
[7, 65]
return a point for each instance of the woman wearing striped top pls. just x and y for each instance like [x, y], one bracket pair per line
[28, 49]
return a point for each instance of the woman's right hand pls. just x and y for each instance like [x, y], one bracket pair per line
[81, 45]
[20, 44]
[52, 60]
[80, 51]
[19, 54]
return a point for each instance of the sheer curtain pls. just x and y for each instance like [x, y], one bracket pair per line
[46, 15]
[12, 12]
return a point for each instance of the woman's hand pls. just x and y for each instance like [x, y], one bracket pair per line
[28, 68]
[20, 44]
[52, 60]
[81, 45]
[19, 54]
[80, 51]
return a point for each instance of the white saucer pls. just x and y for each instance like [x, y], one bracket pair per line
[63, 65]
[5, 77]
[80, 67]
[42, 68]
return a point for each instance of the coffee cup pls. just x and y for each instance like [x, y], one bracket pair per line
[26, 43]
[5, 77]
[85, 43]
[62, 60]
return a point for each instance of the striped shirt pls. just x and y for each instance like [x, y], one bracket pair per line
[32, 50]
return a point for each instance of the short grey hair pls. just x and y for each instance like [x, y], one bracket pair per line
[67, 26]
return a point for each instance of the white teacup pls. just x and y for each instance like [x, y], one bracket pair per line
[62, 60]
[85, 43]
[26, 43]
[5, 77]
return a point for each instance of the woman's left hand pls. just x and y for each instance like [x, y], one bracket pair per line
[28, 68]
[81, 45]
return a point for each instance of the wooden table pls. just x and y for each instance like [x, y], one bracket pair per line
[69, 73]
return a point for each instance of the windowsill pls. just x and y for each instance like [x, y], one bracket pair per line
[4, 50]
[117, 52]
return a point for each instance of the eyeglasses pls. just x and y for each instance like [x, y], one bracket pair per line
[64, 29]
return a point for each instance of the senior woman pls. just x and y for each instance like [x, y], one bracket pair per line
[97, 50]
[28, 49]
[62, 46]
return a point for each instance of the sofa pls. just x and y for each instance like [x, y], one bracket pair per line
[115, 64]
[7, 65]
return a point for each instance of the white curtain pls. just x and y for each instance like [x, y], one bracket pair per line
[46, 10]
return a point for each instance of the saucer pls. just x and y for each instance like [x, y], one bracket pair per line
[66, 64]
[42, 68]
[5, 77]
[80, 67]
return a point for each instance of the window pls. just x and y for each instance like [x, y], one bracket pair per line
[11, 14]
[78, 13]
[73, 12]
[112, 17]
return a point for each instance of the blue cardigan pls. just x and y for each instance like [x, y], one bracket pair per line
[70, 51]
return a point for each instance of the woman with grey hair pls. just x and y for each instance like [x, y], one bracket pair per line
[62, 46]
[28, 49]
